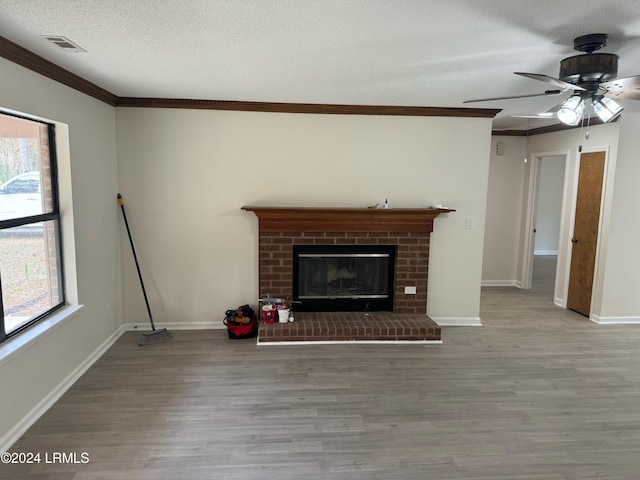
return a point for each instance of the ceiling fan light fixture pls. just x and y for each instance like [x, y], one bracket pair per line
[607, 109]
[571, 110]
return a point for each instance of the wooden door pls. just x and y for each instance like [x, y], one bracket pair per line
[585, 232]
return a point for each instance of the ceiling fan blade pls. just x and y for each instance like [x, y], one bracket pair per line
[549, 114]
[540, 116]
[546, 93]
[553, 81]
[624, 88]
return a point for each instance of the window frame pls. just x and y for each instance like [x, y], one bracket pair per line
[54, 216]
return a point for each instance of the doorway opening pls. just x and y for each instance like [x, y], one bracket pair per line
[549, 192]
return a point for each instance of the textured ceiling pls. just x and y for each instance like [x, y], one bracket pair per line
[364, 52]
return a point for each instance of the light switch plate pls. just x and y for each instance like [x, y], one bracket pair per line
[471, 222]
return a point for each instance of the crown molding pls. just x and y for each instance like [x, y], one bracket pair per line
[509, 133]
[36, 63]
[559, 127]
[535, 131]
[283, 107]
[17, 54]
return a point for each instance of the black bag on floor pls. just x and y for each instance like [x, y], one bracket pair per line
[241, 322]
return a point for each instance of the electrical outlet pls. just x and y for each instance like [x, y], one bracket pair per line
[410, 290]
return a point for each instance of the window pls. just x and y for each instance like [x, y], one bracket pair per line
[30, 255]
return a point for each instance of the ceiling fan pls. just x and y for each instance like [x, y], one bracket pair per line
[591, 77]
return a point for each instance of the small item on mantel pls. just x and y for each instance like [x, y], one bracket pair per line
[382, 205]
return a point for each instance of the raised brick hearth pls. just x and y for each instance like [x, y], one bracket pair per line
[407, 229]
[352, 326]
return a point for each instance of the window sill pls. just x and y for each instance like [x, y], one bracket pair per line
[20, 342]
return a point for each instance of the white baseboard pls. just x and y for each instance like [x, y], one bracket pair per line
[145, 327]
[615, 320]
[457, 321]
[498, 283]
[545, 252]
[47, 402]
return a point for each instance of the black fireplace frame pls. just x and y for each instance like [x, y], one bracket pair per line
[353, 304]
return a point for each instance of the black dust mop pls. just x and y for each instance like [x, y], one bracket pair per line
[156, 335]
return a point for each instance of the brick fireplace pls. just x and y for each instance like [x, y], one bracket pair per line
[408, 230]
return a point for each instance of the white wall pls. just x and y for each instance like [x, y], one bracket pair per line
[620, 300]
[185, 174]
[88, 179]
[504, 211]
[549, 204]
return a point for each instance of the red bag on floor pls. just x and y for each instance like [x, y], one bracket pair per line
[241, 322]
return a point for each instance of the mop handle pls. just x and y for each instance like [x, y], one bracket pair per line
[135, 257]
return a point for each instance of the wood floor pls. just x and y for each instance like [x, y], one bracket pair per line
[538, 393]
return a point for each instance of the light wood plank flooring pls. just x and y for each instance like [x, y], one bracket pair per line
[538, 393]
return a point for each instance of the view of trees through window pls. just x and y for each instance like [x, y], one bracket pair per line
[30, 273]
[18, 155]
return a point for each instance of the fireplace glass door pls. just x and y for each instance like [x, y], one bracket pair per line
[344, 277]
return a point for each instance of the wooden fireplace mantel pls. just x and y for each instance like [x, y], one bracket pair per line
[321, 219]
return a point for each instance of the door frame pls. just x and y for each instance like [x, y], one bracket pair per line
[530, 214]
[567, 221]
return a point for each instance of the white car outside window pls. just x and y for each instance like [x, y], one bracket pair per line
[20, 196]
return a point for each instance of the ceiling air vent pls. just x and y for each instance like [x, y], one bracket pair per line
[63, 43]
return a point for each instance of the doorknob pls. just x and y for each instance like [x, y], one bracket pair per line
[574, 240]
